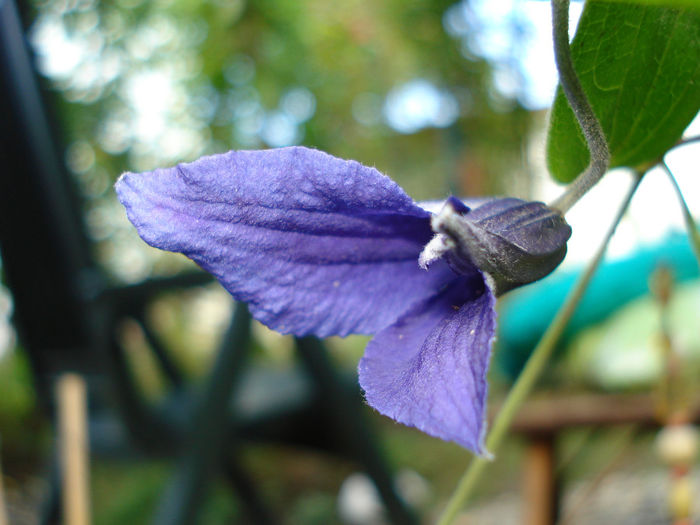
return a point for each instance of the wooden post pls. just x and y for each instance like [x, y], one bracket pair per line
[74, 454]
[539, 483]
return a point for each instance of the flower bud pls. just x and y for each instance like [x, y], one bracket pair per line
[677, 445]
[515, 242]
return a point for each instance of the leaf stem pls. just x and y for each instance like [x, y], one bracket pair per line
[592, 131]
[527, 378]
[686, 141]
[691, 227]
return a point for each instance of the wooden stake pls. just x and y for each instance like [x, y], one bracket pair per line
[539, 483]
[74, 453]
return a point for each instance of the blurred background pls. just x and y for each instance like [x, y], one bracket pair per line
[443, 96]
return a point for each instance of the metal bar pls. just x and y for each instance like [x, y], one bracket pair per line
[244, 486]
[344, 412]
[207, 429]
[169, 368]
[44, 254]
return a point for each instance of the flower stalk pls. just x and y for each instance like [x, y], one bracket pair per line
[600, 160]
[691, 227]
[527, 378]
[592, 131]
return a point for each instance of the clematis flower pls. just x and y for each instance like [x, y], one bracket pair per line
[319, 245]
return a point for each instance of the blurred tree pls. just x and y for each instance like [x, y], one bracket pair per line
[146, 84]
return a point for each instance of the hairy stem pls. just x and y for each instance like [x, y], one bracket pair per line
[686, 141]
[691, 227]
[597, 145]
[527, 378]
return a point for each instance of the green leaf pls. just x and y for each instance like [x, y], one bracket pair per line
[695, 4]
[640, 68]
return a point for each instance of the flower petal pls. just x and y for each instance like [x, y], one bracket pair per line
[428, 369]
[314, 243]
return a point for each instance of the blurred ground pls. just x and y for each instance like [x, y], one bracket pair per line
[623, 497]
[608, 476]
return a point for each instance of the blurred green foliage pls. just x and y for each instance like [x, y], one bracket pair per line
[24, 432]
[127, 493]
[148, 84]
[145, 84]
[141, 84]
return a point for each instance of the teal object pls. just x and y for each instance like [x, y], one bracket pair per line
[625, 352]
[526, 313]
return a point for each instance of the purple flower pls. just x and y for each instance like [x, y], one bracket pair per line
[324, 246]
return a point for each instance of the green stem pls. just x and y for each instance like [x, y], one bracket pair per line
[686, 141]
[592, 131]
[527, 378]
[690, 226]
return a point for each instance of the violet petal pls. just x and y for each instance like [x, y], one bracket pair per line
[428, 369]
[315, 244]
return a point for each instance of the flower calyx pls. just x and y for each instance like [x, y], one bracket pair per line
[514, 242]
